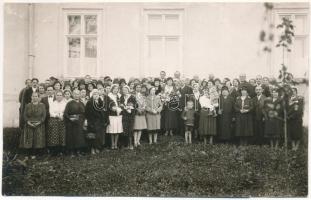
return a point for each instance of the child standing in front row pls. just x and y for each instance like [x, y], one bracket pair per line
[188, 116]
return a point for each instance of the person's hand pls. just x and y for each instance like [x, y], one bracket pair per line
[30, 124]
[36, 124]
[185, 118]
[114, 108]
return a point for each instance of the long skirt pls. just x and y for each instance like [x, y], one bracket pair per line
[225, 126]
[171, 119]
[100, 131]
[75, 137]
[295, 129]
[273, 128]
[244, 125]
[153, 121]
[207, 124]
[140, 122]
[115, 125]
[56, 133]
[33, 137]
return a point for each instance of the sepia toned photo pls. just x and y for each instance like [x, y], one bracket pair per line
[154, 99]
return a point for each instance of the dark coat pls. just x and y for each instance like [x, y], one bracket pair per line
[225, 118]
[258, 118]
[128, 117]
[273, 116]
[186, 90]
[24, 98]
[96, 114]
[294, 119]
[45, 101]
[75, 138]
[244, 121]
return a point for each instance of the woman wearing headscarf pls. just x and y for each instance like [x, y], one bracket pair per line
[96, 113]
[74, 120]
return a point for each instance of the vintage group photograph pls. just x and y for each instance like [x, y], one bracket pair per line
[155, 99]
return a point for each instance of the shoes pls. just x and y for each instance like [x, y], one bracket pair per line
[93, 151]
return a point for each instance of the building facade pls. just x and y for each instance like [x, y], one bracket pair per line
[141, 39]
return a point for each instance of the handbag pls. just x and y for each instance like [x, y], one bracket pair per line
[90, 135]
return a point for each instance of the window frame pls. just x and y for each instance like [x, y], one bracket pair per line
[145, 35]
[282, 9]
[64, 34]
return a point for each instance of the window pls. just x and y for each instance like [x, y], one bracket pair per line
[162, 41]
[82, 43]
[297, 60]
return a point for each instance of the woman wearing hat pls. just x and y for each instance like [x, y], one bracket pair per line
[244, 120]
[225, 115]
[115, 126]
[128, 104]
[96, 113]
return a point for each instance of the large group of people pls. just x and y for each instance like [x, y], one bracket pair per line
[74, 116]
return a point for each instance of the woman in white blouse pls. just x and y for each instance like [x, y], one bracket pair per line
[207, 123]
[56, 127]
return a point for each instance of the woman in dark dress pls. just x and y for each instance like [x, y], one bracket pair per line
[244, 122]
[273, 119]
[33, 135]
[294, 119]
[74, 120]
[225, 115]
[128, 104]
[171, 108]
[96, 113]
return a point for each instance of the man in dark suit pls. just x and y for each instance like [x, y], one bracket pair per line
[258, 102]
[22, 102]
[249, 87]
[47, 101]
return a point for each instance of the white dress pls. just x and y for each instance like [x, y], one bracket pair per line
[115, 126]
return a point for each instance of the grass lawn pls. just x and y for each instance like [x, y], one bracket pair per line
[168, 169]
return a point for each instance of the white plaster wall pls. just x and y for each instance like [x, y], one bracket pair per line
[219, 38]
[15, 59]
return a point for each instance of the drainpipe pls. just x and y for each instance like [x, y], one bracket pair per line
[31, 56]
